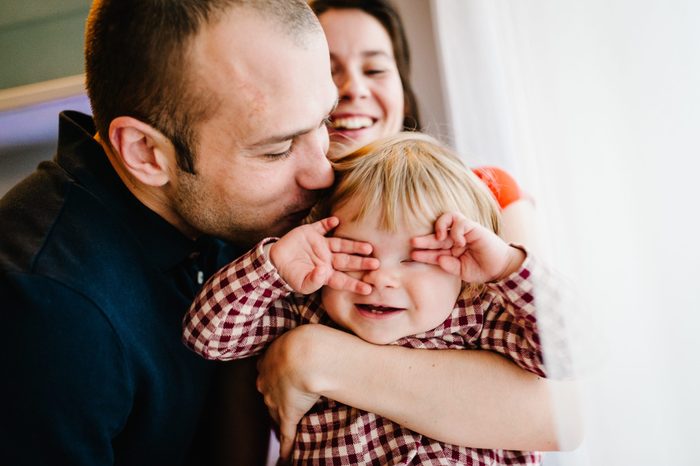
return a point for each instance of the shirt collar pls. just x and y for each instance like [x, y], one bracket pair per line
[85, 160]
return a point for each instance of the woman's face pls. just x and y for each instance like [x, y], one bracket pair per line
[371, 97]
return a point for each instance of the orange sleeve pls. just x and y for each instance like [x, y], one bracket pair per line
[503, 186]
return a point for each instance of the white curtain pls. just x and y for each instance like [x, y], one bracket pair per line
[594, 105]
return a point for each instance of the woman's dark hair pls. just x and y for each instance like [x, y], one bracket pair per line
[384, 12]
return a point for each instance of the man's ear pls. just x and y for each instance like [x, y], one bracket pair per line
[146, 153]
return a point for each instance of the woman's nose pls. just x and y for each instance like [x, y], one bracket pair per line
[352, 85]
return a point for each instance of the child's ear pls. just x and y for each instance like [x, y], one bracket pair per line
[145, 152]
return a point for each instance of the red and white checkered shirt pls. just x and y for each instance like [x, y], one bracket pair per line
[246, 305]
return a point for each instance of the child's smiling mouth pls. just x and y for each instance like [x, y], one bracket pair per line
[378, 310]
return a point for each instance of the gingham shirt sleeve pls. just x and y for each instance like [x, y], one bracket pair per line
[530, 306]
[240, 310]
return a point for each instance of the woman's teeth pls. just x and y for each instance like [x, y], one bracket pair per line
[351, 123]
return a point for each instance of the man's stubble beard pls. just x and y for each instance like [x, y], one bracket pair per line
[211, 215]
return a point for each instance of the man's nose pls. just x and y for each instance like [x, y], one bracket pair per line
[315, 171]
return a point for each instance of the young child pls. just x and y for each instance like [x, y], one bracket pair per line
[414, 259]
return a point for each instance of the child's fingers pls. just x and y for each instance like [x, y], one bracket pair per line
[442, 225]
[458, 230]
[325, 225]
[450, 265]
[428, 256]
[349, 246]
[474, 231]
[452, 225]
[313, 280]
[442, 258]
[317, 278]
[351, 262]
[430, 242]
[343, 282]
[457, 251]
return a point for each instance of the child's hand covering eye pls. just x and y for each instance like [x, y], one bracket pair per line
[467, 249]
[307, 260]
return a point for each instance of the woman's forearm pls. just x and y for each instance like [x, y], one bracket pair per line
[470, 398]
[519, 224]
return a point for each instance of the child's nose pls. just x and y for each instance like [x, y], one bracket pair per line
[383, 277]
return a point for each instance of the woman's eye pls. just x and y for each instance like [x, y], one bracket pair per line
[374, 72]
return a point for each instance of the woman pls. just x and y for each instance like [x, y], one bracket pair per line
[370, 63]
[471, 398]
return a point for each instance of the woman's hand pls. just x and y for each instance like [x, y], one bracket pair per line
[467, 249]
[307, 260]
[284, 375]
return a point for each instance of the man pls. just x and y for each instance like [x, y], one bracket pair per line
[208, 123]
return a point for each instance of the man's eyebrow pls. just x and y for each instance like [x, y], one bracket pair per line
[286, 137]
[280, 138]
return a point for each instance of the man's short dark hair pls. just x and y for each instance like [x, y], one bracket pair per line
[137, 62]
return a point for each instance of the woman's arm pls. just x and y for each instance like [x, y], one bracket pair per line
[517, 208]
[519, 224]
[471, 398]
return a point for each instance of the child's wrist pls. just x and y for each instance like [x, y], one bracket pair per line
[269, 250]
[516, 257]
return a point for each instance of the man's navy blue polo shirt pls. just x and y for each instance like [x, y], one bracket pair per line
[93, 288]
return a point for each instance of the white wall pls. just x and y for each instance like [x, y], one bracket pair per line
[426, 74]
[595, 105]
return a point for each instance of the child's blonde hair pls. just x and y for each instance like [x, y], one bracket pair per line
[410, 177]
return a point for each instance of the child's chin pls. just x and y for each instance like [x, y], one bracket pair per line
[377, 339]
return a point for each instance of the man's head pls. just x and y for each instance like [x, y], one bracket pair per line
[194, 97]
